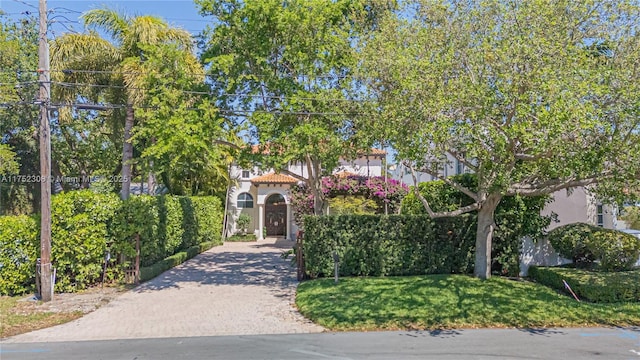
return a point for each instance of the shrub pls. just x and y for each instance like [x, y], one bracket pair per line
[79, 237]
[515, 217]
[19, 241]
[587, 244]
[149, 272]
[381, 245]
[595, 286]
[208, 214]
[85, 224]
[243, 223]
[166, 225]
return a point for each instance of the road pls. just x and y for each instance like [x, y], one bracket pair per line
[591, 343]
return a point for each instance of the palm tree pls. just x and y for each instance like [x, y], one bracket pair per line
[115, 64]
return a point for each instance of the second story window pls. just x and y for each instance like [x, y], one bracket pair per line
[246, 174]
[600, 215]
[459, 167]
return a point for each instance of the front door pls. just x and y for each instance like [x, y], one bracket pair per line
[276, 215]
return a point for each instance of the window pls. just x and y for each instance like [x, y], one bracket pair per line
[246, 174]
[245, 201]
[459, 167]
[600, 214]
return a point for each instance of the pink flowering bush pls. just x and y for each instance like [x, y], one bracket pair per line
[382, 191]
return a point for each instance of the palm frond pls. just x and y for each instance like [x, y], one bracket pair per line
[108, 20]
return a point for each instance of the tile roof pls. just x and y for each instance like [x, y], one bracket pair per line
[272, 178]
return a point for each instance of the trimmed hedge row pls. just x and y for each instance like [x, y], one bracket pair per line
[388, 245]
[86, 224]
[595, 286]
[149, 272]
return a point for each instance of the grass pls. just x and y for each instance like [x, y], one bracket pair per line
[595, 286]
[16, 317]
[450, 301]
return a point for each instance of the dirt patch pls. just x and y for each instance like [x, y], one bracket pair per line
[83, 302]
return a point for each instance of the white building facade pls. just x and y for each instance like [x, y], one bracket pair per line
[263, 194]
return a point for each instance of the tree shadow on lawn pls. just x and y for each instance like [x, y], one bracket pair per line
[443, 302]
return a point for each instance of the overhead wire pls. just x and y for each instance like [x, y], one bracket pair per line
[209, 93]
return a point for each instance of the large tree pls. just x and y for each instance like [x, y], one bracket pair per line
[18, 114]
[533, 96]
[287, 66]
[180, 129]
[113, 64]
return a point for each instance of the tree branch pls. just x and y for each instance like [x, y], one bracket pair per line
[447, 181]
[549, 187]
[427, 207]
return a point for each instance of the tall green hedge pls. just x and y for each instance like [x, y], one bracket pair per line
[515, 217]
[85, 225]
[18, 252]
[79, 237]
[166, 225]
[381, 245]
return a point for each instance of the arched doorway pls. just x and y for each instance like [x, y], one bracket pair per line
[275, 215]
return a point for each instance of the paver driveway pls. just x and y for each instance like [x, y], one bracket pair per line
[234, 289]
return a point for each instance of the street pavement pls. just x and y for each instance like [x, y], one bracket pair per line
[484, 344]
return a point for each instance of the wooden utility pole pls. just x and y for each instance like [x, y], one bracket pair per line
[46, 282]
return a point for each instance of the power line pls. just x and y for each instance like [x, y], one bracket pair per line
[27, 4]
[79, 71]
[245, 113]
[209, 93]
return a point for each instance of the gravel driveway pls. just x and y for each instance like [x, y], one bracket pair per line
[234, 289]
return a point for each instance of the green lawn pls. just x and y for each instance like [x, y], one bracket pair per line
[449, 301]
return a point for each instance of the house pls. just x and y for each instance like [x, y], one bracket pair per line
[263, 193]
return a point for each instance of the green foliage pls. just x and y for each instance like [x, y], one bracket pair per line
[241, 238]
[86, 224]
[515, 217]
[352, 205]
[18, 117]
[587, 244]
[150, 272]
[243, 222]
[179, 129]
[631, 215]
[379, 245]
[8, 163]
[166, 224]
[19, 242]
[458, 80]
[294, 61]
[208, 213]
[80, 237]
[595, 286]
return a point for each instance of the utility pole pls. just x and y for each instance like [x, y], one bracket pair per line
[46, 282]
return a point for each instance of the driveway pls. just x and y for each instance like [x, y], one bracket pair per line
[234, 289]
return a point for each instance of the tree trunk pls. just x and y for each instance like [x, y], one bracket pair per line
[127, 153]
[484, 237]
[315, 184]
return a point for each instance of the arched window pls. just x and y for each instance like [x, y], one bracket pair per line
[275, 199]
[245, 200]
